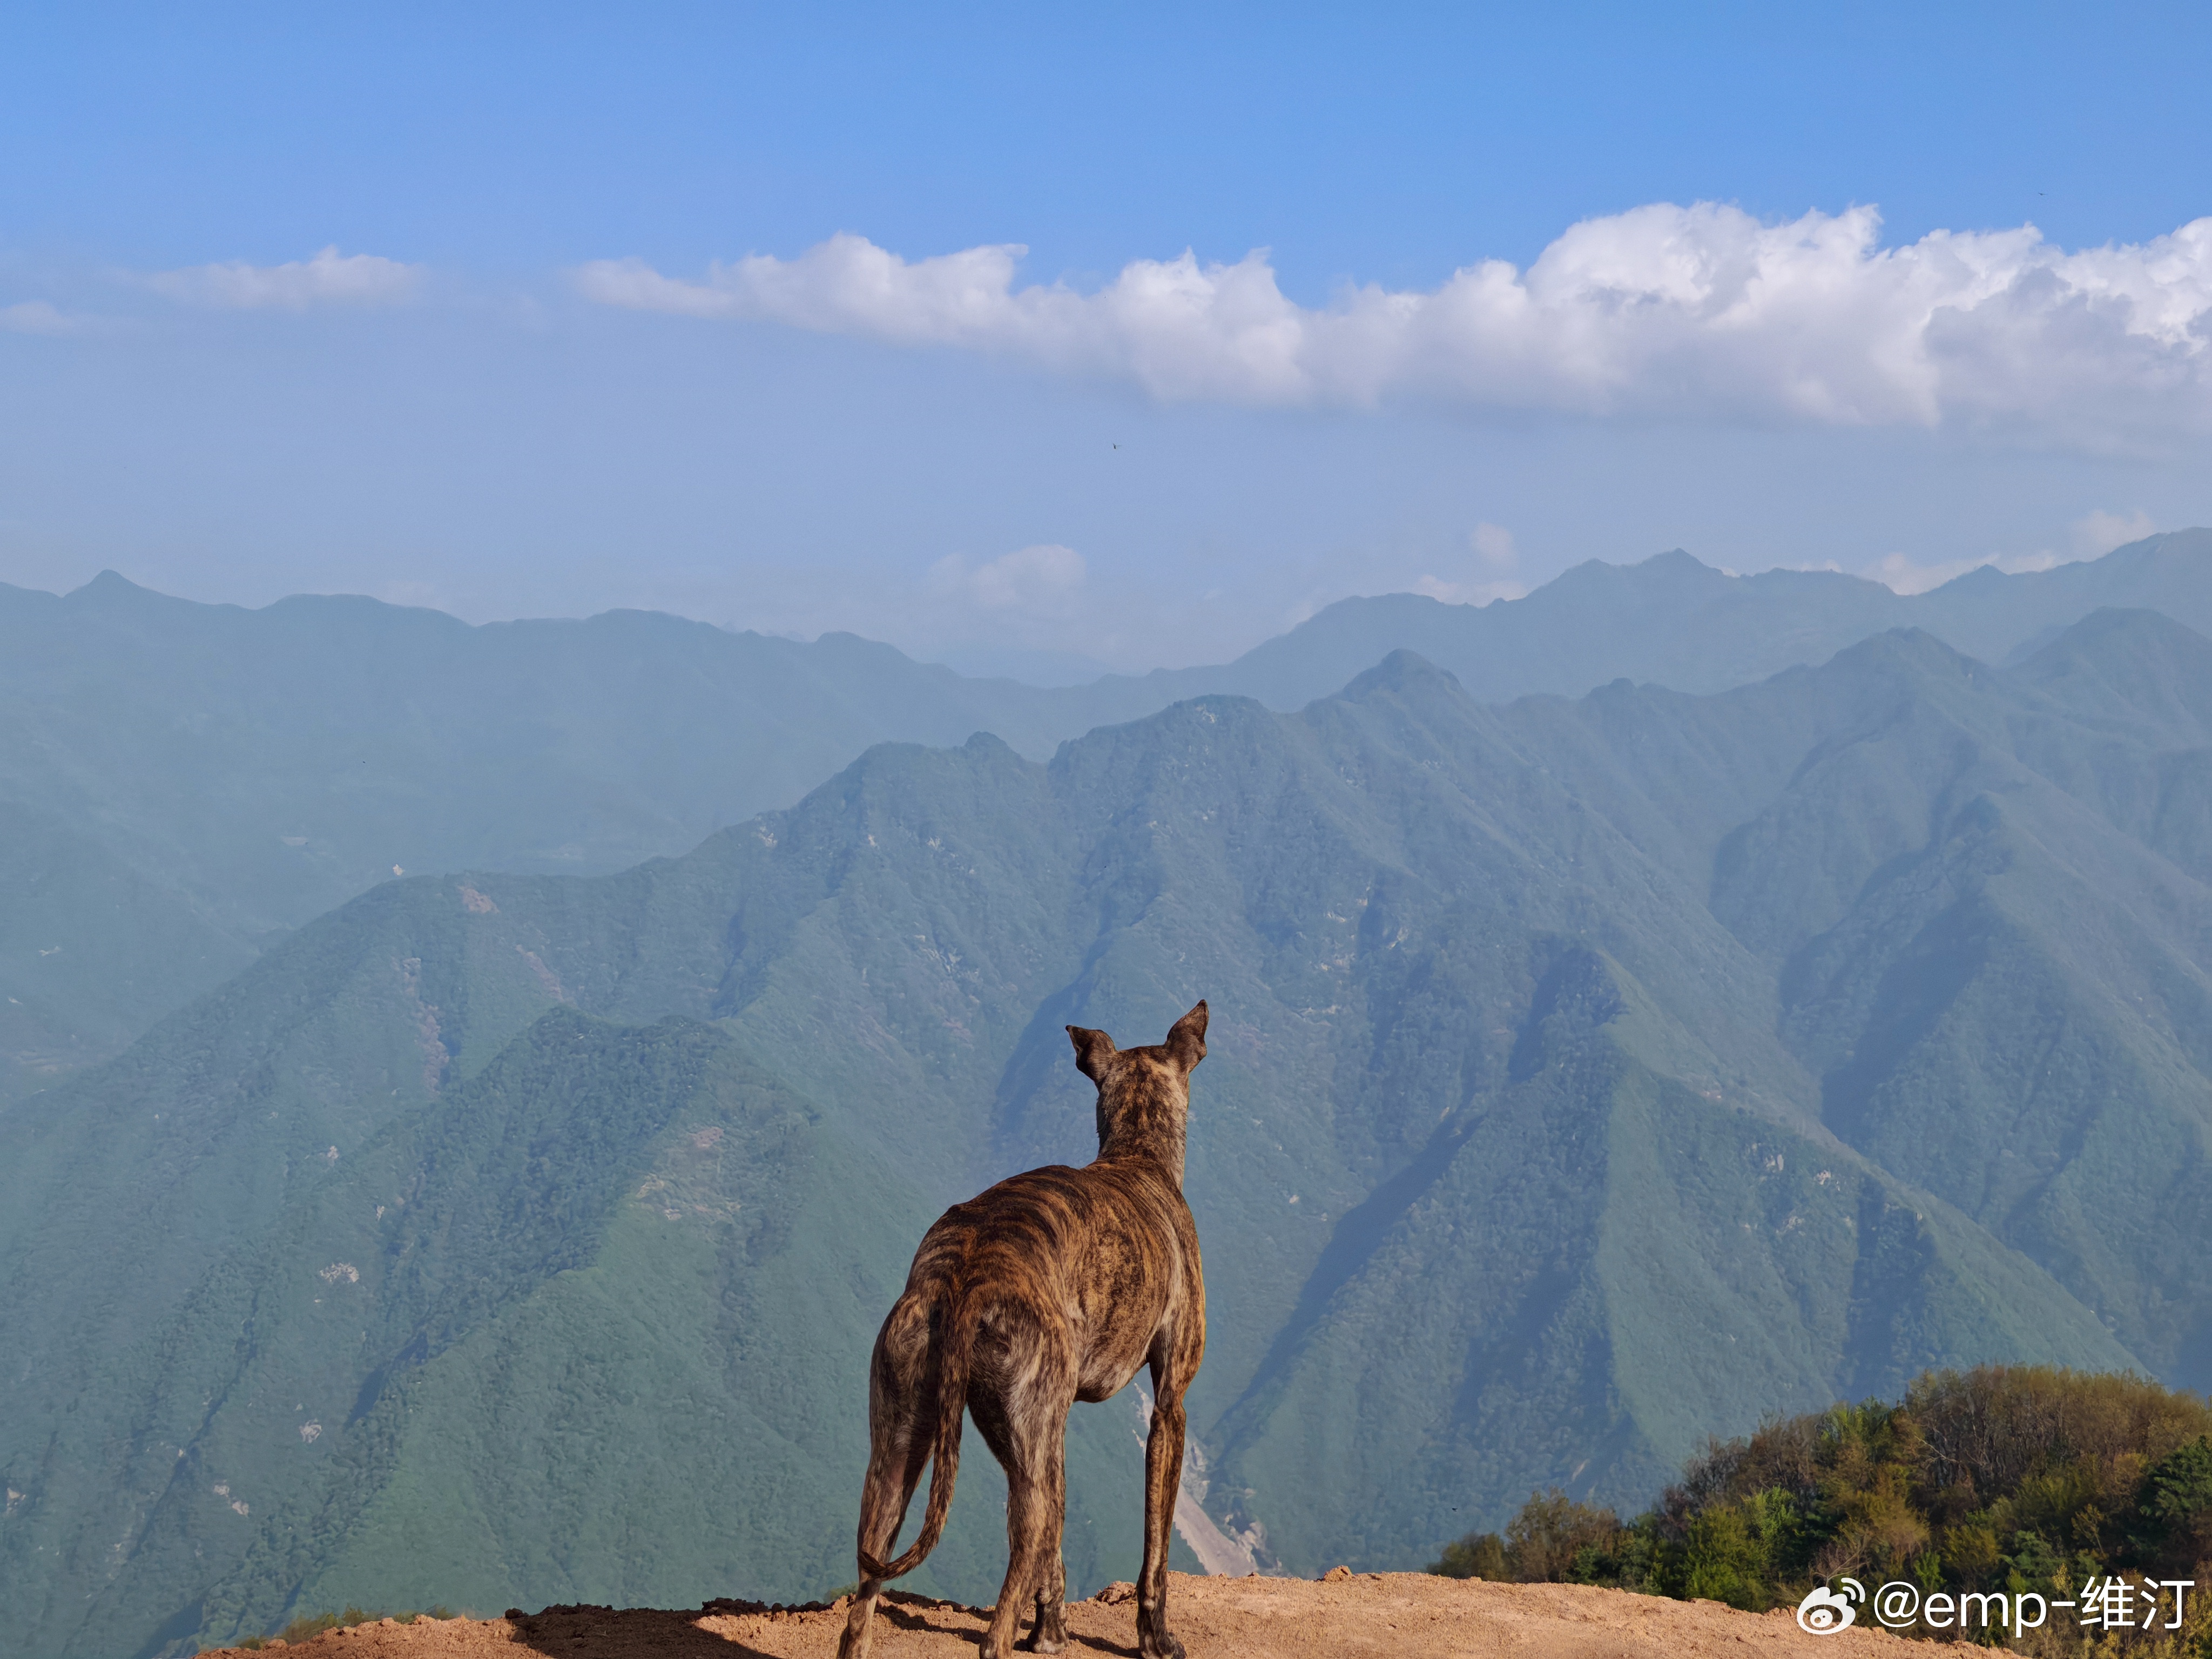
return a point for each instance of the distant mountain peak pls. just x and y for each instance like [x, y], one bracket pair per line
[1675, 568]
[1908, 646]
[1404, 670]
[110, 585]
[2128, 664]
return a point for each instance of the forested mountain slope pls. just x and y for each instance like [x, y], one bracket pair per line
[1587, 1077]
[181, 783]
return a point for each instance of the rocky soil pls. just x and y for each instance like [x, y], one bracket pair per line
[1407, 1615]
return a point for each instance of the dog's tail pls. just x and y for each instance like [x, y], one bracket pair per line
[960, 1325]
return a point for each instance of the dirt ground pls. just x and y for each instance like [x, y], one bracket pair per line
[1408, 1615]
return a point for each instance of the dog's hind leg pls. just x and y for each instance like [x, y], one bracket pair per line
[1162, 1482]
[884, 1496]
[1050, 1633]
[1029, 1433]
[1036, 1502]
[900, 1426]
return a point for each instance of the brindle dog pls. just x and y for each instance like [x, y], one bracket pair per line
[1051, 1287]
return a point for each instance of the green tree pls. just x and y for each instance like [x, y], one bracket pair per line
[1477, 1555]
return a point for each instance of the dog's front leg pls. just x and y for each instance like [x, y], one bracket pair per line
[1163, 1480]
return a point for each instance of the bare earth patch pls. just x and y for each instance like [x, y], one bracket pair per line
[1409, 1615]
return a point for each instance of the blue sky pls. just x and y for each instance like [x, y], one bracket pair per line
[523, 385]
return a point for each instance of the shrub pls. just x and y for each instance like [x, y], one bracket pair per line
[1477, 1555]
[1723, 1559]
[2003, 1478]
[1551, 1530]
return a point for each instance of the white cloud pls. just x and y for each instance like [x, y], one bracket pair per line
[1663, 309]
[2092, 535]
[1042, 583]
[1902, 575]
[1493, 545]
[2096, 534]
[37, 317]
[1496, 557]
[329, 278]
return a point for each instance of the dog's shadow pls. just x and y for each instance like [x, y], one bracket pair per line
[624, 1632]
[618, 1632]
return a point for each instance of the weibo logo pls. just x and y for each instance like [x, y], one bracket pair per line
[1824, 1612]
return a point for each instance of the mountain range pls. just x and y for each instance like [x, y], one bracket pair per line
[1590, 1075]
[182, 784]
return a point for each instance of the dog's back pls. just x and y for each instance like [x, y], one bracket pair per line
[1097, 1259]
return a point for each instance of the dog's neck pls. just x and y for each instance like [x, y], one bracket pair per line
[1145, 1119]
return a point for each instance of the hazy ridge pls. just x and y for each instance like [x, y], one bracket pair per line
[181, 783]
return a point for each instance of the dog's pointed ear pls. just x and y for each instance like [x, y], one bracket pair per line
[1187, 1041]
[1092, 1050]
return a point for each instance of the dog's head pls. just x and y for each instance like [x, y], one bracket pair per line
[1143, 1094]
